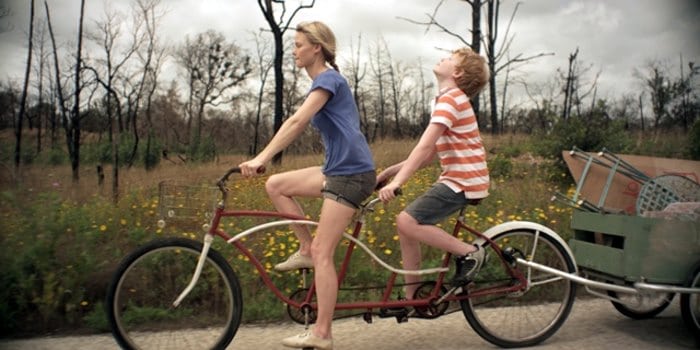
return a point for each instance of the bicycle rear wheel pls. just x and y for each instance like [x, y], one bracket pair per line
[147, 282]
[527, 317]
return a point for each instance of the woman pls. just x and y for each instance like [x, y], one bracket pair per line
[345, 180]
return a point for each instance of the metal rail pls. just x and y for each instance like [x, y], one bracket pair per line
[639, 287]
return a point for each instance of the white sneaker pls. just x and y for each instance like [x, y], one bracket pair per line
[294, 262]
[308, 340]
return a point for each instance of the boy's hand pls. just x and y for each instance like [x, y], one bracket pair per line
[388, 192]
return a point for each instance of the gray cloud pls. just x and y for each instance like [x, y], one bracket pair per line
[614, 37]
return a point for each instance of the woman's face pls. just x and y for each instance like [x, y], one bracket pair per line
[304, 51]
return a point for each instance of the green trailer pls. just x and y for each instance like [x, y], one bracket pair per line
[637, 256]
[629, 249]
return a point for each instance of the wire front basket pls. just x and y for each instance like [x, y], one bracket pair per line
[178, 201]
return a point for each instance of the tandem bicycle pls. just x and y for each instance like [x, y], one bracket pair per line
[181, 293]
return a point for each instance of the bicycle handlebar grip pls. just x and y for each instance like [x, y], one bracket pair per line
[379, 186]
[237, 170]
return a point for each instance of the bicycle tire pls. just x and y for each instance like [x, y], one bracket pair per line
[690, 305]
[147, 281]
[649, 309]
[524, 318]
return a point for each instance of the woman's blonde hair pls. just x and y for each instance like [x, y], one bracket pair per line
[476, 72]
[319, 33]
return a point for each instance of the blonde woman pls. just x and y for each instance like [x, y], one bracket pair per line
[344, 181]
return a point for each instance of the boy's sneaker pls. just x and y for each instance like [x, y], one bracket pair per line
[294, 262]
[468, 266]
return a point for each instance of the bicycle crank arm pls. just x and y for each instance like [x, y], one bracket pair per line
[451, 291]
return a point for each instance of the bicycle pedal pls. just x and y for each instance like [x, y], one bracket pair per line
[393, 312]
[367, 316]
[402, 319]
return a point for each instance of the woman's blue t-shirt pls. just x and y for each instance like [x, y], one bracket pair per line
[347, 151]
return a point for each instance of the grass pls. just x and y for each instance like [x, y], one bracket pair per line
[61, 241]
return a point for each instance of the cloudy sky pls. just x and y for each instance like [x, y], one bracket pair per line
[614, 37]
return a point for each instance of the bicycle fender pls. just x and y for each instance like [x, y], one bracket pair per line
[529, 226]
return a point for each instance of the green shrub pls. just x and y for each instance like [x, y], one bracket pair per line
[511, 150]
[500, 166]
[589, 134]
[96, 319]
[151, 153]
[56, 156]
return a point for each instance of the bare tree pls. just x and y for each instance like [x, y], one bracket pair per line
[70, 119]
[494, 53]
[279, 25]
[544, 115]
[357, 74]
[23, 99]
[641, 109]
[214, 68]
[39, 118]
[424, 100]
[264, 64]
[686, 107]
[475, 31]
[397, 81]
[575, 89]
[569, 86]
[58, 86]
[151, 57]
[292, 96]
[378, 63]
[107, 35]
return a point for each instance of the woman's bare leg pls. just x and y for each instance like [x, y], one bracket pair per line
[335, 217]
[283, 187]
[410, 254]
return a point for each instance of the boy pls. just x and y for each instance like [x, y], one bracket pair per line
[452, 135]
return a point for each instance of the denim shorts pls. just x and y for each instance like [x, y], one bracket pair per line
[437, 203]
[350, 190]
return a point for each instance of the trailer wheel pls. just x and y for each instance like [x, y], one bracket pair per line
[690, 304]
[640, 308]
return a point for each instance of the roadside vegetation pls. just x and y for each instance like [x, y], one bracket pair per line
[61, 241]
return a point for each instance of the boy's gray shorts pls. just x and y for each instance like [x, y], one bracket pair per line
[350, 190]
[437, 203]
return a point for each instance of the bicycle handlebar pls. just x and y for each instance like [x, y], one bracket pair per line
[235, 170]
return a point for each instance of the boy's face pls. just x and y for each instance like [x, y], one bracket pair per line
[446, 67]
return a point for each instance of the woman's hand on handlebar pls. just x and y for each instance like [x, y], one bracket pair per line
[252, 167]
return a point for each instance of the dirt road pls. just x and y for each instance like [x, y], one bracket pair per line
[593, 324]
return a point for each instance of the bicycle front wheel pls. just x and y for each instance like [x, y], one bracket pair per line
[147, 282]
[527, 317]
